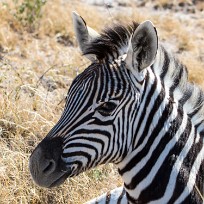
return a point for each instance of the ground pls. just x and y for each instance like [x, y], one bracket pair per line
[37, 65]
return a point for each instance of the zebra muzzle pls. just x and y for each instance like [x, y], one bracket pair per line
[46, 166]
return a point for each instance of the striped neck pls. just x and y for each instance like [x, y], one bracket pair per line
[165, 139]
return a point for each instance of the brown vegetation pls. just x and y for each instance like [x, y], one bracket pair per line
[36, 70]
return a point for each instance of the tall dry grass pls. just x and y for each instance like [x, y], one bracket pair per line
[36, 70]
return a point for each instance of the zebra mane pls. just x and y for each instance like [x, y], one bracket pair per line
[113, 41]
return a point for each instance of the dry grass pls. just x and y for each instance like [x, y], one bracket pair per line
[36, 71]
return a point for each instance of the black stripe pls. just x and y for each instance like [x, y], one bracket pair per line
[121, 196]
[147, 79]
[187, 94]
[91, 139]
[177, 78]
[200, 180]
[113, 156]
[165, 64]
[132, 200]
[83, 145]
[77, 153]
[193, 198]
[108, 197]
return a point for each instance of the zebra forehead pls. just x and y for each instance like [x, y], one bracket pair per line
[113, 39]
[100, 82]
[97, 71]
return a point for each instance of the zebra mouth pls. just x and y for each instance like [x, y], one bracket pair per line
[61, 179]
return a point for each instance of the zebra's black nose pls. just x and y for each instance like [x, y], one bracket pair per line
[45, 164]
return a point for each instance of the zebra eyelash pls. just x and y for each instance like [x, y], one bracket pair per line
[107, 108]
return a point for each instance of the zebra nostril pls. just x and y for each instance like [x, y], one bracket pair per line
[50, 167]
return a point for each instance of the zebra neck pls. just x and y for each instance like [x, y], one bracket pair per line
[174, 77]
[160, 155]
[166, 138]
[158, 168]
[154, 115]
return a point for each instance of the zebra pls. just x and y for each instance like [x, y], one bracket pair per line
[134, 107]
[115, 196]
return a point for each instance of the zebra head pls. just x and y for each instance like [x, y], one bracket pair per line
[96, 126]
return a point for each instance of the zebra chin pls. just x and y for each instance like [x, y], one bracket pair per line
[46, 166]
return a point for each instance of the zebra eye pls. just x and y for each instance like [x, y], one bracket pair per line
[106, 108]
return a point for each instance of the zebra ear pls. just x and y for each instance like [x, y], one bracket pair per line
[143, 47]
[84, 34]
